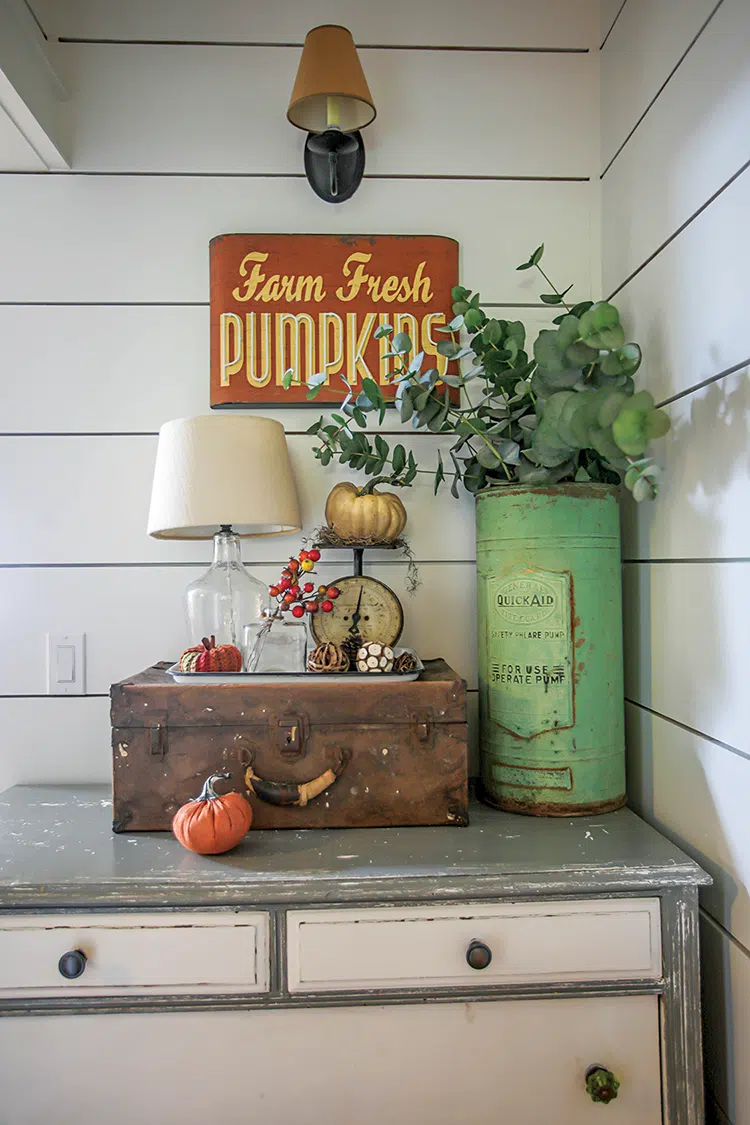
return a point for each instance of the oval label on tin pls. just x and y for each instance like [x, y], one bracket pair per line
[530, 651]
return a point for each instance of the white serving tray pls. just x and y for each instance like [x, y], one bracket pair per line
[296, 677]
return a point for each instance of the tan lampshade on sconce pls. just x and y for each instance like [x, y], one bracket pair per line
[219, 470]
[331, 88]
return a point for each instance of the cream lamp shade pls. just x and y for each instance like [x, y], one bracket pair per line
[215, 471]
[331, 88]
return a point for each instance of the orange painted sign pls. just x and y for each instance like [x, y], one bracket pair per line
[313, 302]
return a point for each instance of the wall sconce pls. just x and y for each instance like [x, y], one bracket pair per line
[332, 101]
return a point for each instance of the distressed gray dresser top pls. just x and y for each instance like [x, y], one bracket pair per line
[57, 848]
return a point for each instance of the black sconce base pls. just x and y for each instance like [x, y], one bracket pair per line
[334, 164]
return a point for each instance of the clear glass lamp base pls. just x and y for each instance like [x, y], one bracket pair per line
[226, 598]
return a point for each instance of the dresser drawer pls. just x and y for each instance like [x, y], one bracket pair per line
[418, 947]
[400, 1064]
[131, 953]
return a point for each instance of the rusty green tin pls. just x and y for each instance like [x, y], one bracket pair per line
[550, 649]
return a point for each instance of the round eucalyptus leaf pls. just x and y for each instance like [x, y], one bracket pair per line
[568, 332]
[547, 351]
[553, 408]
[613, 337]
[630, 431]
[657, 423]
[581, 355]
[611, 364]
[576, 419]
[604, 444]
[643, 400]
[533, 474]
[564, 380]
[643, 489]
[611, 402]
[401, 343]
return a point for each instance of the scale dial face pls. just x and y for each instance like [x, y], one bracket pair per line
[381, 617]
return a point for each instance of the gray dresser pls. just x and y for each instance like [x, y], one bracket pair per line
[519, 970]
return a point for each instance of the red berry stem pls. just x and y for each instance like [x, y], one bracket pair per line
[306, 599]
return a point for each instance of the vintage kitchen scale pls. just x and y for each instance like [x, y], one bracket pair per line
[365, 606]
[383, 753]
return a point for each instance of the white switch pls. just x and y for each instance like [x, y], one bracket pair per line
[66, 663]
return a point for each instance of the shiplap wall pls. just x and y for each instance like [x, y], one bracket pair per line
[675, 81]
[179, 133]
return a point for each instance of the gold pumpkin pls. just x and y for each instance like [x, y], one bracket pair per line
[355, 514]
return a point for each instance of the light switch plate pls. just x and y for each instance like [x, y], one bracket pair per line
[66, 663]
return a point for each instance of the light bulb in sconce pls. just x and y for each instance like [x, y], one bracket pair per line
[223, 478]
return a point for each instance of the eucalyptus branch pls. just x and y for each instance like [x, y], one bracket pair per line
[572, 417]
[554, 287]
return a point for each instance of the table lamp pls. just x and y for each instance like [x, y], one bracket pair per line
[224, 478]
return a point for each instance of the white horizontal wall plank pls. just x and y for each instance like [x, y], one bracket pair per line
[705, 489]
[145, 239]
[726, 1021]
[686, 650]
[222, 109]
[690, 143]
[696, 793]
[53, 741]
[644, 47]
[507, 23]
[121, 368]
[16, 154]
[696, 281]
[133, 616]
[86, 499]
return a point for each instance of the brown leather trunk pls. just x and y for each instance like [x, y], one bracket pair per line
[388, 753]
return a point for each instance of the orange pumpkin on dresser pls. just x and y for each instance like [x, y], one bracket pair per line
[213, 823]
[210, 657]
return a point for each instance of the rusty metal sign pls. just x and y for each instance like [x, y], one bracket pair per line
[313, 303]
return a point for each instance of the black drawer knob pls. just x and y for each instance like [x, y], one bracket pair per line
[72, 964]
[478, 955]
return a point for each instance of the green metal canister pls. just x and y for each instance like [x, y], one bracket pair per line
[550, 649]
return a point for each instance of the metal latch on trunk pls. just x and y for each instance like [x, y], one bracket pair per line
[157, 737]
[292, 735]
[423, 724]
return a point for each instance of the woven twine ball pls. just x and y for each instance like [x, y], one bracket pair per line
[405, 663]
[327, 657]
[374, 657]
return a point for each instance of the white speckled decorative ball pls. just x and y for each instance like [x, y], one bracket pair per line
[374, 657]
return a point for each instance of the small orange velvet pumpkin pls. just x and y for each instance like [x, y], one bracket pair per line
[210, 657]
[213, 823]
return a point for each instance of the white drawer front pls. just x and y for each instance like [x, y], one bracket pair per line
[340, 950]
[496, 1063]
[130, 953]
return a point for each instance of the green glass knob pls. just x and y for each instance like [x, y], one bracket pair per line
[601, 1084]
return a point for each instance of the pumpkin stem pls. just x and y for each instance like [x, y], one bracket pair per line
[209, 642]
[208, 793]
[367, 489]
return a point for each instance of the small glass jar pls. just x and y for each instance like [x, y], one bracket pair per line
[275, 644]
